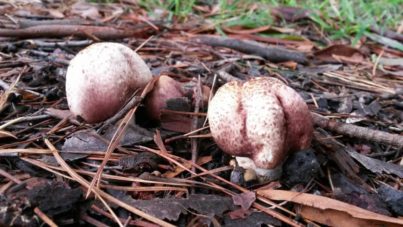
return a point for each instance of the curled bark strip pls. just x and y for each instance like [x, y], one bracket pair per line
[55, 31]
[358, 132]
[274, 54]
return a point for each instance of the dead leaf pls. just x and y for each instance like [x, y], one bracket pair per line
[134, 134]
[245, 200]
[340, 53]
[84, 140]
[329, 211]
[377, 166]
[290, 13]
[170, 209]
[239, 214]
[320, 69]
[289, 64]
[392, 197]
[85, 10]
[350, 192]
[141, 162]
[257, 219]
[55, 198]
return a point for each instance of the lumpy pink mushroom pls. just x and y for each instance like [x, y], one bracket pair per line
[101, 78]
[262, 119]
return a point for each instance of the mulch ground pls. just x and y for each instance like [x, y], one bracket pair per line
[49, 160]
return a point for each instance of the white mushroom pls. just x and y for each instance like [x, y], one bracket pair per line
[261, 119]
[101, 78]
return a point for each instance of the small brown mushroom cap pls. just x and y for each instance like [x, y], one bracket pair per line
[101, 78]
[165, 88]
[257, 119]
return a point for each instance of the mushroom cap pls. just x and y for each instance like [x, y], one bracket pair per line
[298, 122]
[101, 78]
[251, 120]
[165, 88]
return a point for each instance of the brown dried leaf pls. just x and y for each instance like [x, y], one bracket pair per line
[329, 211]
[377, 166]
[55, 198]
[84, 140]
[86, 10]
[290, 13]
[350, 192]
[235, 219]
[140, 162]
[340, 53]
[171, 208]
[134, 134]
[245, 200]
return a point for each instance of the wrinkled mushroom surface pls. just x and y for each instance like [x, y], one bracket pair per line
[262, 119]
[101, 78]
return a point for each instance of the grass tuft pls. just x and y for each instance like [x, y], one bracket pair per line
[340, 19]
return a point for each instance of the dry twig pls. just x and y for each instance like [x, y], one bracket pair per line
[358, 132]
[55, 31]
[274, 54]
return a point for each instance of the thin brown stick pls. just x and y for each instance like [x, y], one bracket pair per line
[134, 101]
[9, 176]
[143, 189]
[44, 217]
[195, 121]
[55, 31]
[358, 132]
[274, 54]
[93, 221]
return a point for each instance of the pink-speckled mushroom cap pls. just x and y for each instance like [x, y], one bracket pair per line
[261, 119]
[101, 78]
